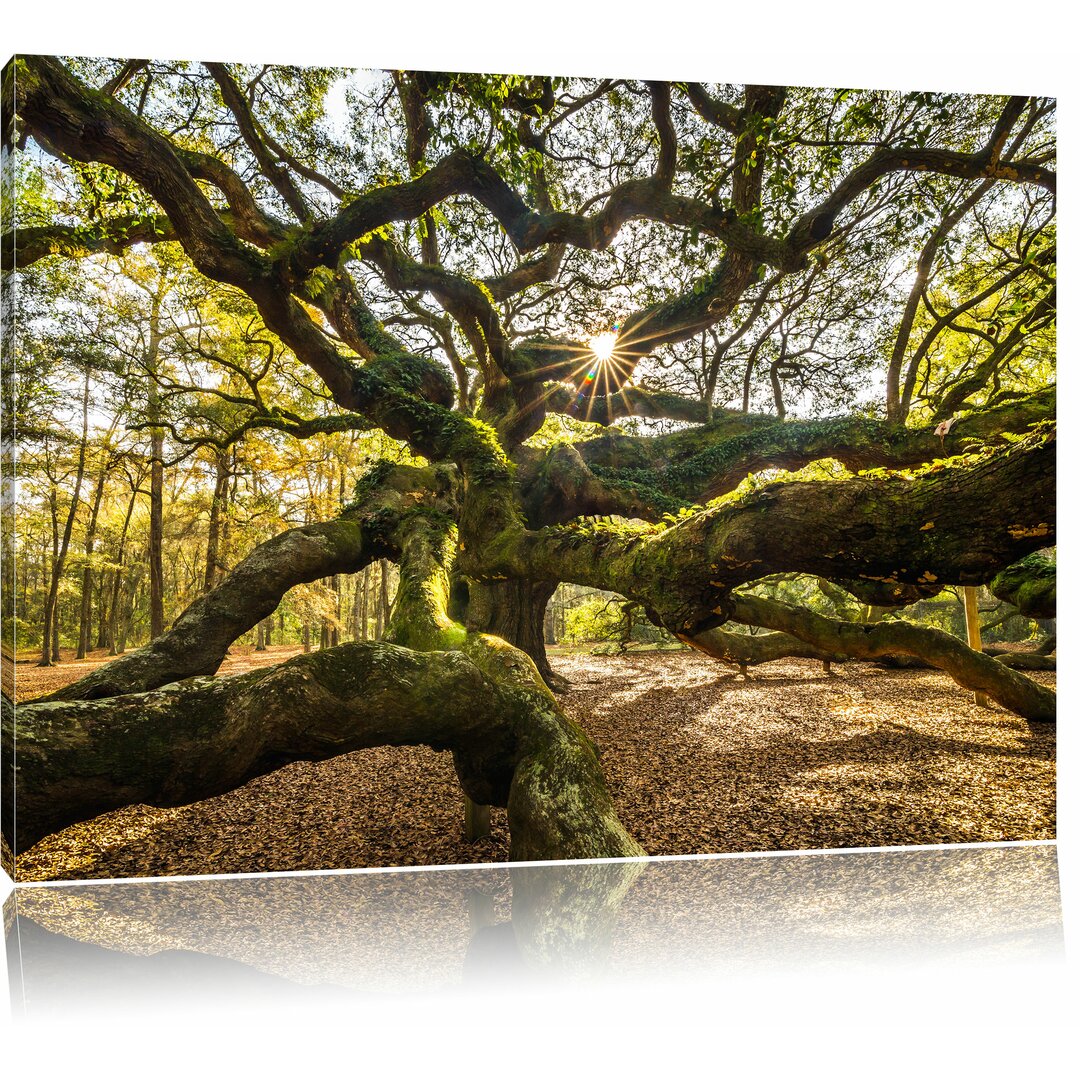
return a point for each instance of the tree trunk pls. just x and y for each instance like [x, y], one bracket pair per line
[364, 604]
[85, 609]
[104, 585]
[974, 632]
[50, 646]
[549, 624]
[382, 600]
[335, 632]
[118, 579]
[515, 611]
[214, 531]
[157, 480]
[354, 617]
[197, 641]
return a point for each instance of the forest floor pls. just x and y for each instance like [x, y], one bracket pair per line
[697, 758]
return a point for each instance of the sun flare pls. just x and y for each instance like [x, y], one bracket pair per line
[603, 345]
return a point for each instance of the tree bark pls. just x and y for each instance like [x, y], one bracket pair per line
[1030, 585]
[200, 637]
[974, 631]
[514, 610]
[748, 650]
[103, 592]
[118, 578]
[928, 530]
[213, 535]
[206, 736]
[970, 669]
[384, 597]
[364, 604]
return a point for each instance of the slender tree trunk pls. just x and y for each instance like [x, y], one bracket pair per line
[48, 561]
[214, 532]
[50, 649]
[335, 626]
[128, 597]
[354, 618]
[364, 604]
[104, 580]
[87, 597]
[118, 579]
[382, 600]
[157, 476]
[974, 632]
[549, 625]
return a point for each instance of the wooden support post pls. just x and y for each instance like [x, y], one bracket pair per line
[477, 820]
[974, 633]
[481, 910]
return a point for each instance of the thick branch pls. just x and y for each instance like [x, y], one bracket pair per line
[816, 224]
[709, 461]
[958, 522]
[869, 641]
[1031, 585]
[114, 236]
[253, 135]
[748, 650]
[206, 736]
[483, 699]
[197, 642]
[88, 125]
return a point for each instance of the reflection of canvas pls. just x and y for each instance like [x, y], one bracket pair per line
[422, 468]
[286, 939]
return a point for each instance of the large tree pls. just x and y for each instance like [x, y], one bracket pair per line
[608, 319]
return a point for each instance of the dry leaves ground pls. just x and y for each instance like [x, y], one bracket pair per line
[697, 759]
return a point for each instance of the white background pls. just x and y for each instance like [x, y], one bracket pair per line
[923, 1023]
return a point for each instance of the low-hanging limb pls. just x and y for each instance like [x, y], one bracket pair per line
[870, 641]
[548, 775]
[206, 736]
[748, 650]
[198, 640]
[466, 692]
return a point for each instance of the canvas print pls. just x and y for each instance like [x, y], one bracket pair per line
[431, 468]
